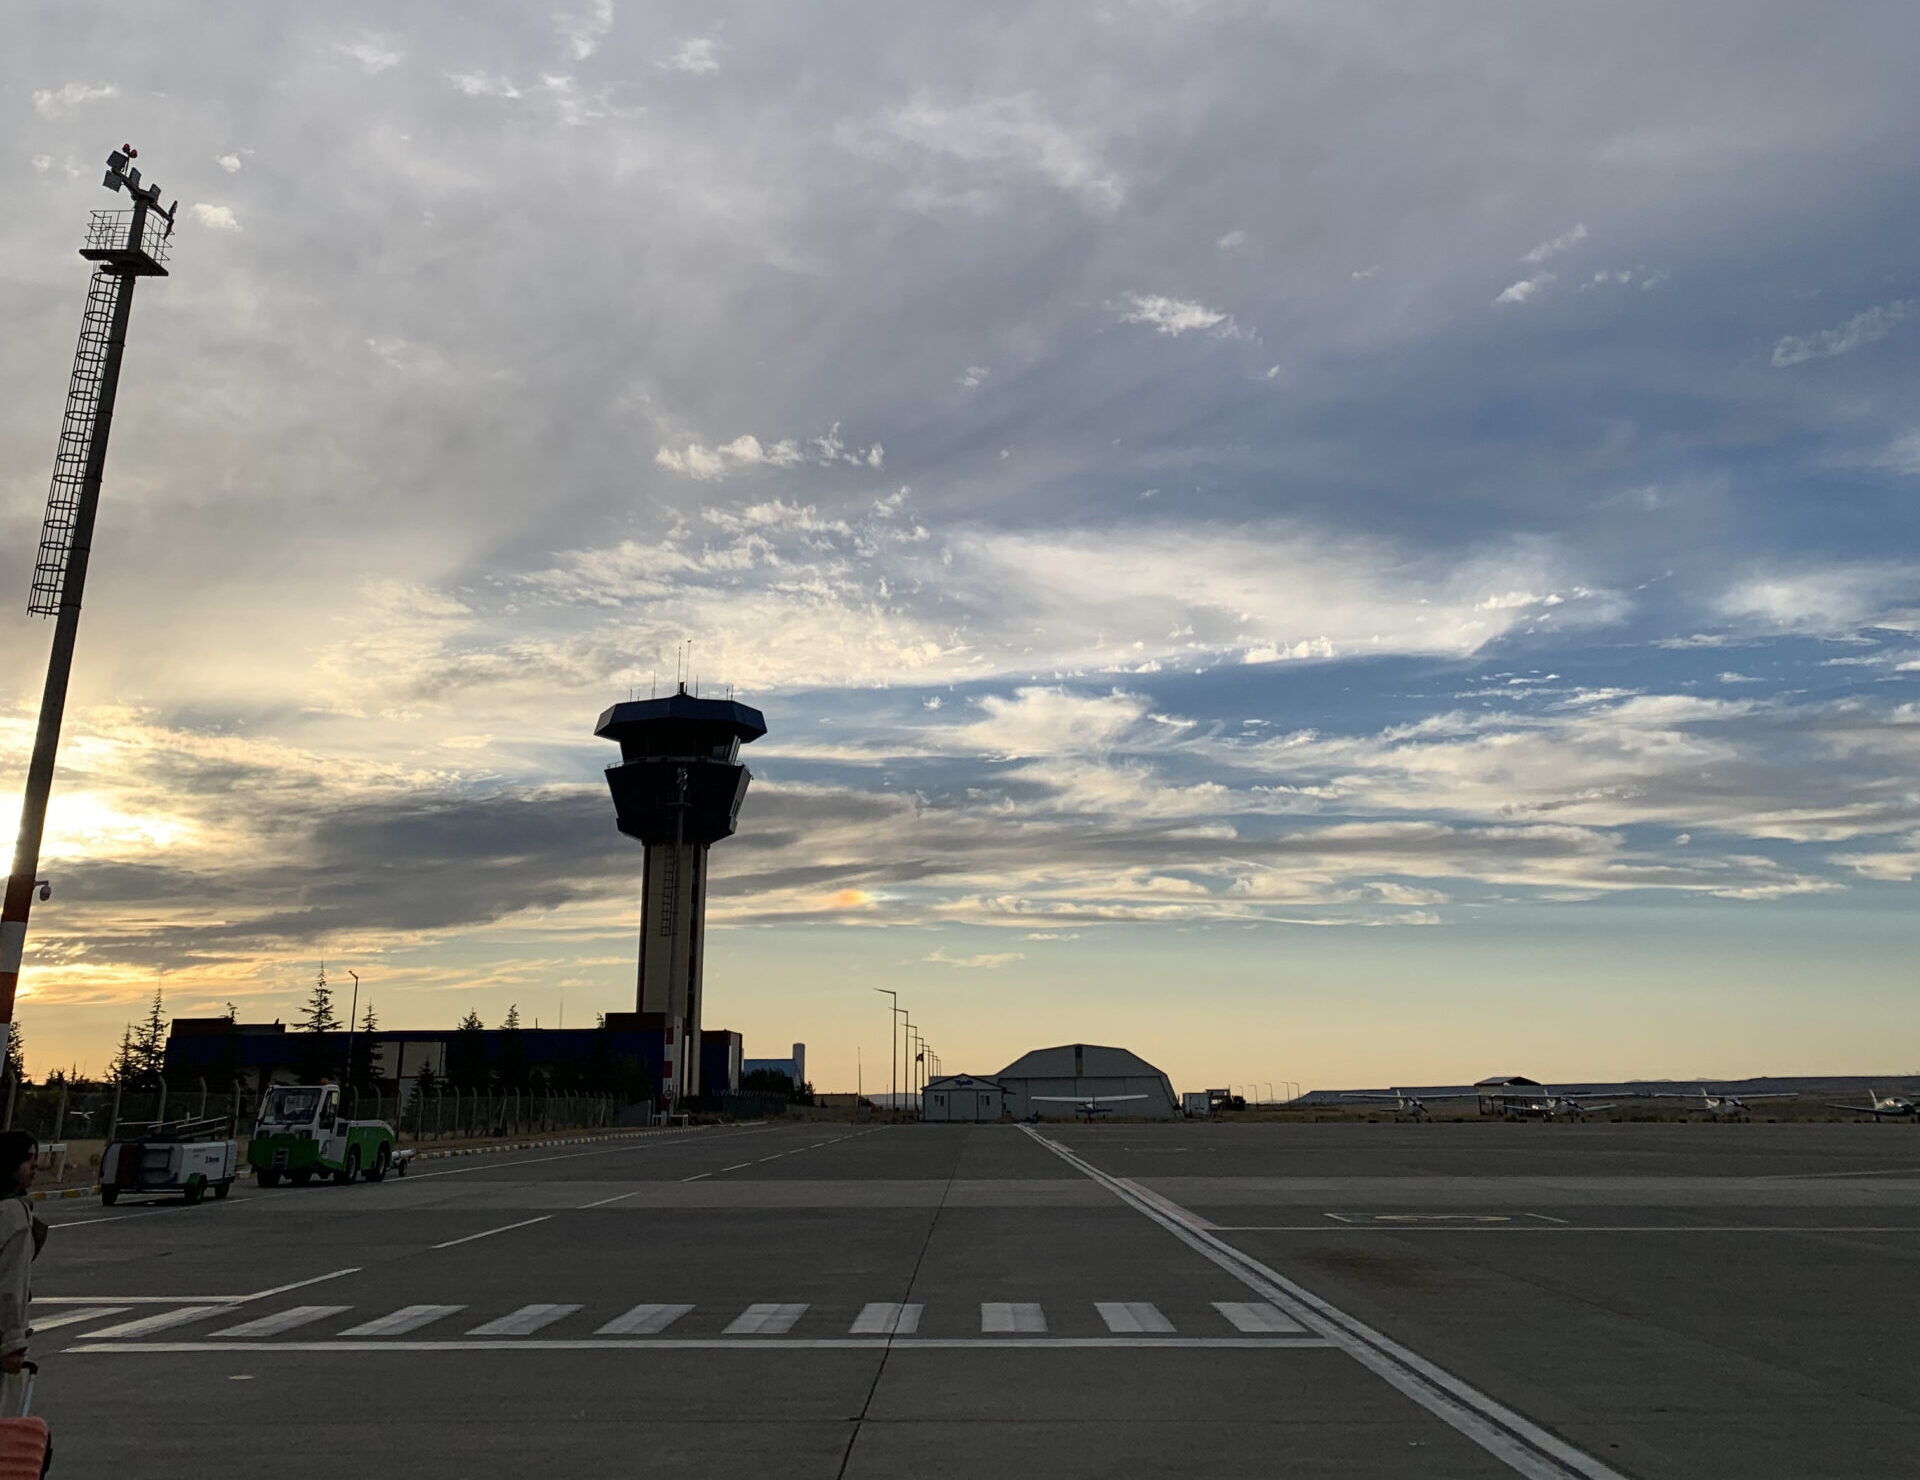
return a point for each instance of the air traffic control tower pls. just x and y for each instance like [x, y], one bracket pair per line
[678, 789]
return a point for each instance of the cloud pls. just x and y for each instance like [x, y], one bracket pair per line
[42, 163]
[973, 377]
[483, 84]
[695, 56]
[711, 464]
[1175, 316]
[1831, 600]
[1231, 240]
[229, 162]
[995, 139]
[583, 33]
[1525, 289]
[1556, 246]
[1863, 328]
[374, 54]
[56, 102]
[985, 961]
[215, 218]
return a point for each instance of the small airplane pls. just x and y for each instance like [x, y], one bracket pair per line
[1717, 1105]
[1553, 1106]
[1403, 1103]
[1893, 1107]
[1087, 1106]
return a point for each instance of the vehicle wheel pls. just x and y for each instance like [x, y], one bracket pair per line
[382, 1159]
[109, 1195]
[221, 1189]
[301, 1177]
[195, 1191]
[267, 1178]
[350, 1173]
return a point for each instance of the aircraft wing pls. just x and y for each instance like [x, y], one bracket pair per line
[1087, 1099]
[1867, 1110]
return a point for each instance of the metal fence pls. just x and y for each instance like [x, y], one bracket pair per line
[55, 1113]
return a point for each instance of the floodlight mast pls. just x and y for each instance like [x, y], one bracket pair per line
[119, 246]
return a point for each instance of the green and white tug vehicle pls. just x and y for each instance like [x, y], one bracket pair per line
[300, 1135]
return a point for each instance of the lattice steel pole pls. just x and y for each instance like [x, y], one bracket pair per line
[118, 245]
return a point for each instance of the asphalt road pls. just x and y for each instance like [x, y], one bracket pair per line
[814, 1300]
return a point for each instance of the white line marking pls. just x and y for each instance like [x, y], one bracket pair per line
[767, 1320]
[319, 1279]
[644, 1320]
[504, 1228]
[886, 1318]
[93, 1222]
[697, 1176]
[736, 1166]
[138, 1299]
[1006, 1315]
[1256, 1315]
[1516, 1441]
[638, 1143]
[146, 1325]
[1132, 1317]
[74, 1317]
[617, 1197]
[1570, 1228]
[407, 1318]
[285, 1320]
[524, 1321]
[721, 1343]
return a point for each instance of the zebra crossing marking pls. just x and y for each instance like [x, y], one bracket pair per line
[524, 1321]
[1257, 1315]
[644, 1320]
[886, 1318]
[165, 1320]
[1133, 1317]
[286, 1320]
[1129, 1322]
[998, 1316]
[72, 1317]
[766, 1320]
[407, 1318]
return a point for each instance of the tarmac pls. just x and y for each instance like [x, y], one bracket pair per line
[828, 1300]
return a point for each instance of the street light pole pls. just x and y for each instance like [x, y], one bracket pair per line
[893, 1046]
[352, 1012]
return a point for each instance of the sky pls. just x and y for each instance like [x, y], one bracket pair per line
[1319, 542]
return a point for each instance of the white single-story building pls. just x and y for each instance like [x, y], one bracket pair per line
[961, 1097]
[1085, 1080]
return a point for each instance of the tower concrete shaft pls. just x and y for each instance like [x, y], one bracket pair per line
[678, 789]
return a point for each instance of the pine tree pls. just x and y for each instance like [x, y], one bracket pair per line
[467, 1055]
[320, 1016]
[513, 1051]
[360, 1071]
[150, 1043]
[121, 1070]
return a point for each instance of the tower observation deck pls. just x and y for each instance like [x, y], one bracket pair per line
[678, 789]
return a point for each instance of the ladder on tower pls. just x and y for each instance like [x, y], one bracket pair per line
[76, 443]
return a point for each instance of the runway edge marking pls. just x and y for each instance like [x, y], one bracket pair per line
[1516, 1441]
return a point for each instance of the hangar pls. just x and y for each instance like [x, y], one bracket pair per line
[961, 1097]
[1063, 1083]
